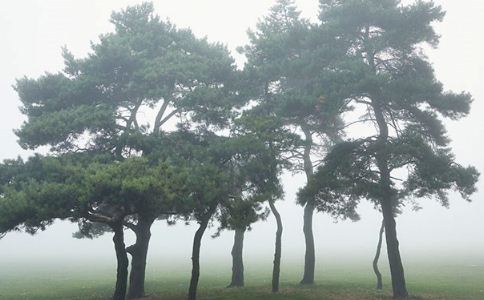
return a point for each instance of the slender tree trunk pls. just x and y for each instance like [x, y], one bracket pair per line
[197, 242]
[379, 282]
[388, 206]
[139, 253]
[237, 259]
[122, 262]
[310, 257]
[277, 254]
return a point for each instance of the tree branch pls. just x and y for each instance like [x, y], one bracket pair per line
[356, 122]
[171, 114]
[161, 112]
[130, 225]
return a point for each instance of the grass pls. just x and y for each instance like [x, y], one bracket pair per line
[347, 281]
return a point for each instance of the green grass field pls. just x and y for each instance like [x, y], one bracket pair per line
[350, 281]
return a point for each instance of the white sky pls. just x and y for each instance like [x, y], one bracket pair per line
[32, 33]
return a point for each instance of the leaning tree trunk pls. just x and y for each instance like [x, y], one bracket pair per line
[197, 242]
[310, 257]
[237, 259]
[139, 253]
[122, 262]
[277, 254]
[379, 282]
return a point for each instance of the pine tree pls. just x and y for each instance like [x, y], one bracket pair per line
[386, 74]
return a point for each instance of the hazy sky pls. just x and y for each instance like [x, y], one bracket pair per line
[32, 33]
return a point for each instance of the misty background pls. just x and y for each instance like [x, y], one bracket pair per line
[32, 33]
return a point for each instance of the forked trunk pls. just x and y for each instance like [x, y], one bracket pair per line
[197, 242]
[237, 259]
[122, 262]
[310, 257]
[139, 253]
[277, 254]
[379, 282]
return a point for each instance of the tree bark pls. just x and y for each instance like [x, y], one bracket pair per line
[310, 257]
[237, 259]
[139, 253]
[379, 282]
[277, 254]
[197, 242]
[122, 262]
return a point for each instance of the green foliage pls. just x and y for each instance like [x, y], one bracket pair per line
[145, 63]
[288, 61]
[240, 214]
[223, 171]
[348, 173]
[35, 192]
[92, 108]
[42, 189]
[386, 73]
[236, 131]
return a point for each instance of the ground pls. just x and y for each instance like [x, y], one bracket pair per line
[452, 281]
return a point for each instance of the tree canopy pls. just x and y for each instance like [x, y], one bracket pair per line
[386, 73]
[156, 123]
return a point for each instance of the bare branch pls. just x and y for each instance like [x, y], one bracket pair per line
[161, 112]
[96, 217]
[356, 122]
[168, 117]
[134, 112]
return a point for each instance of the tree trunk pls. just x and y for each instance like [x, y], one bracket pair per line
[379, 282]
[388, 205]
[310, 257]
[237, 259]
[197, 242]
[396, 266]
[277, 254]
[122, 262]
[139, 253]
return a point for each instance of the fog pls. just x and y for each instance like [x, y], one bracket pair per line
[33, 32]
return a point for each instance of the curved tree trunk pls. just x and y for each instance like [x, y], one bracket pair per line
[379, 282]
[310, 257]
[197, 242]
[277, 254]
[122, 262]
[237, 259]
[139, 253]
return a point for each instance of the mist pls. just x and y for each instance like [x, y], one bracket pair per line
[33, 33]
